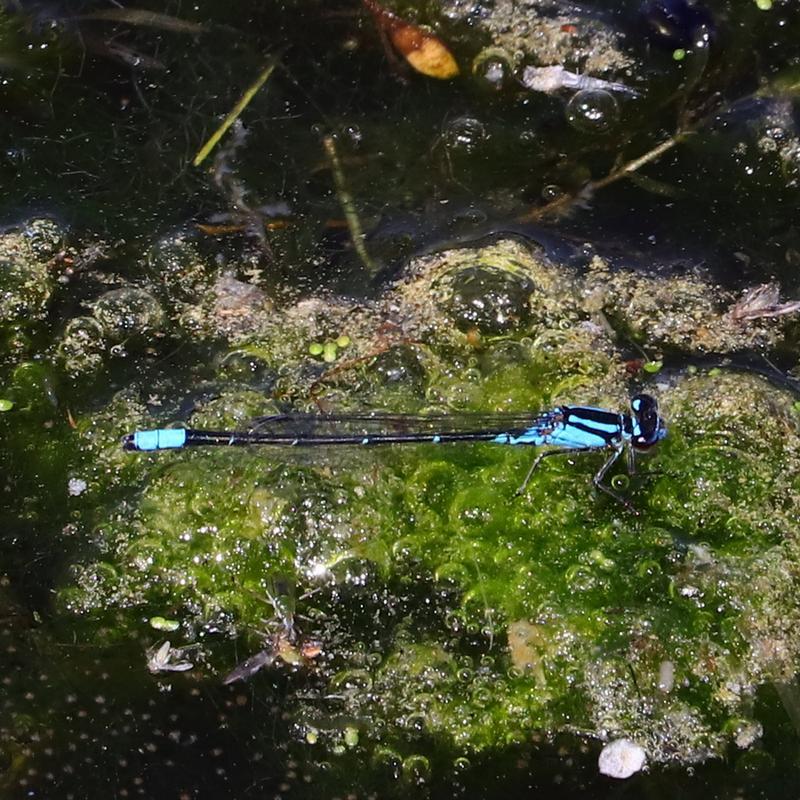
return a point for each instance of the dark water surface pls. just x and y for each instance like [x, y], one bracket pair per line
[101, 118]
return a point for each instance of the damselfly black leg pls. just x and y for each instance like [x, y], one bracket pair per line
[601, 473]
[539, 458]
[597, 480]
[631, 461]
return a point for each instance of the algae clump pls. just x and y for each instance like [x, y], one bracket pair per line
[443, 610]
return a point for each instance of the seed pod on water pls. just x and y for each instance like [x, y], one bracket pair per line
[425, 52]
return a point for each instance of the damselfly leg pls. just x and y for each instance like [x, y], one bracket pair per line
[538, 460]
[631, 461]
[597, 480]
[600, 474]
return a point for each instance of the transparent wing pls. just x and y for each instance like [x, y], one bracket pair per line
[359, 425]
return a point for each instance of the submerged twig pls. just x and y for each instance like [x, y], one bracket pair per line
[233, 115]
[560, 204]
[150, 19]
[348, 206]
[636, 163]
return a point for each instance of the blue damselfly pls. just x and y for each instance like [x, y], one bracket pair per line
[565, 429]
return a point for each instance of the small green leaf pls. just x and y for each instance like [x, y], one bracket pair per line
[6, 404]
[315, 349]
[343, 341]
[653, 366]
[679, 54]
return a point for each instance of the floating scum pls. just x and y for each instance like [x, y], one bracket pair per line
[451, 616]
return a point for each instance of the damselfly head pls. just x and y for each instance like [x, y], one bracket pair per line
[649, 427]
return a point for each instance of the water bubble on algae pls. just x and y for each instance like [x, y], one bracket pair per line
[465, 675]
[453, 622]
[489, 299]
[620, 482]
[492, 68]
[388, 761]
[403, 549]
[416, 722]
[550, 192]
[482, 697]
[352, 680]
[592, 111]
[123, 313]
[580, 578]
[416, 769]
[375, 658]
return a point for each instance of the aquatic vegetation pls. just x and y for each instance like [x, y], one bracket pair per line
[234, 114]
[443, 608]
[28, 271]
[212, 528]
[396, 621]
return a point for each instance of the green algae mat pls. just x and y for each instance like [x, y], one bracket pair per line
[400, 608]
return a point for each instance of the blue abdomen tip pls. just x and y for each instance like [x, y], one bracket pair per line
[162, 439]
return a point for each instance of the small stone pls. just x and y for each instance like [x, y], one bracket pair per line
[621, 759]
[76, 486]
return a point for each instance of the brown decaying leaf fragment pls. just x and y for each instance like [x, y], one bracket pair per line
[424, 52]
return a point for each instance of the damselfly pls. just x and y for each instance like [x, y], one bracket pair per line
[565, 429]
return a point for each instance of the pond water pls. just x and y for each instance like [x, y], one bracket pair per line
[426, 208]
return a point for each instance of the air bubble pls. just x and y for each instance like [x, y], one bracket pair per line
[492, 67]
[592, 111]
[465, 134]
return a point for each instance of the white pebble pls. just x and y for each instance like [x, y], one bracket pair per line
[76, 486]
[621, 759]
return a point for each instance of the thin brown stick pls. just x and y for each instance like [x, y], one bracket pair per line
[560, 204]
